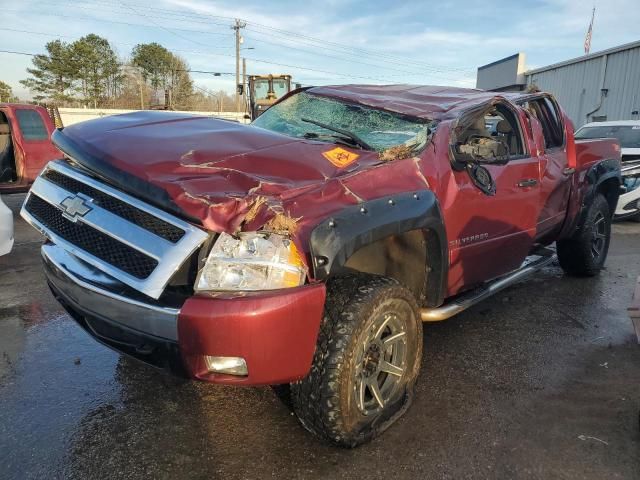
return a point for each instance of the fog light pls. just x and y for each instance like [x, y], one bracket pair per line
[227, 365]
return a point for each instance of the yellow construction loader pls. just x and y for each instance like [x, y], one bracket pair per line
[265, 90]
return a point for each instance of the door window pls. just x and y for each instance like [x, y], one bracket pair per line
[31, 125]
[546, 112]
[493, 136]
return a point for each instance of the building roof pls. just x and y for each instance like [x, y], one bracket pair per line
[619, 48]
[425, 102]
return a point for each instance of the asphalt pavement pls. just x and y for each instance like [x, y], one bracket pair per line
[541, 381]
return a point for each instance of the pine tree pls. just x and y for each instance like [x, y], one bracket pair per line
[6, 93]
[52, 74]
[96, 69]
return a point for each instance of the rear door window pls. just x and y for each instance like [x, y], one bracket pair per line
[31, 125]
[546, 112]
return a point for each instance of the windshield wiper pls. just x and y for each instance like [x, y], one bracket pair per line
[332, 137]
[345, 133]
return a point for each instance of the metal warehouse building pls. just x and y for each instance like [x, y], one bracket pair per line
[596, 87]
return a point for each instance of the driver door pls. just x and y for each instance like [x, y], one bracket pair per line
[490, 235]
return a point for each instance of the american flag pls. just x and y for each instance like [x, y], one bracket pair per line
[587, 40]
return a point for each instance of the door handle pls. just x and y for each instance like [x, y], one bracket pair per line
[529, 182]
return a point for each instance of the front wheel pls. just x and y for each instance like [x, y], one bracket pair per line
[584, 254]
[366, 362]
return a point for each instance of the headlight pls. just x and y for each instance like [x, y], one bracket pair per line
[251, 261]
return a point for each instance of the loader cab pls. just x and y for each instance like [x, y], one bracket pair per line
[265, 90]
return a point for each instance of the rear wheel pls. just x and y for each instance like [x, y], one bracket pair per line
[585, 253]
[366, 362]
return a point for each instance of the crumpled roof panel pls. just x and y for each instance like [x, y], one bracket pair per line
[427, 102]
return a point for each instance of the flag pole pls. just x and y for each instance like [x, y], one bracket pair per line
[587, 40]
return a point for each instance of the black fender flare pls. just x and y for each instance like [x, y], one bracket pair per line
[338, 237]
[602, 171]
[597, 175]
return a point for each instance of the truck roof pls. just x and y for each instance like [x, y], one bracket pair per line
[427, 102]
[19, 105]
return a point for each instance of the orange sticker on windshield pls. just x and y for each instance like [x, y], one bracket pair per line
[340, 157]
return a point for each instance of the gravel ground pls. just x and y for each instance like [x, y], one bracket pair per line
[541, 381]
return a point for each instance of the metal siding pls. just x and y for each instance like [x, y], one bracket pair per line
[623, 82]
[577, 86]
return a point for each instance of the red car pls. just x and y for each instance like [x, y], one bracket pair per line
[25, 145]
[308, 248]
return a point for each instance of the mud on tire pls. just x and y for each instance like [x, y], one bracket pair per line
[349, 396]
[584, 254]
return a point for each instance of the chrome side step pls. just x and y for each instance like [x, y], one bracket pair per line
[469, 299]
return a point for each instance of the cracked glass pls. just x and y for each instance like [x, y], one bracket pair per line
[378, 128]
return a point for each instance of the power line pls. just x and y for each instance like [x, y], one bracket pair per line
[282, 64]
[364, 77]
[299, 67]
[236, 28]
[121, 64]
[357, 51]
[56, 35]
[19, 53]
[102, 20]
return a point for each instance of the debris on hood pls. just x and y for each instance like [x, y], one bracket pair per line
[397, 152]
[254, 208]
[283, 224]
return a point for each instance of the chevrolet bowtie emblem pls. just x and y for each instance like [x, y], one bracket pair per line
[74, 207]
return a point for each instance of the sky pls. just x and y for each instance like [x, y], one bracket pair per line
[324, 41]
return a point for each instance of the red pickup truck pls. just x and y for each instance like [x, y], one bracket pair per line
[308, 248]
[25, 145]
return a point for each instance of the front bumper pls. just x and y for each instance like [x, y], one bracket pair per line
[629, 202]
[274, 332]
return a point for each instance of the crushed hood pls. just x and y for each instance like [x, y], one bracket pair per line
[212, 170]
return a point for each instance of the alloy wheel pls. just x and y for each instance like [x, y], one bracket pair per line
[598, 235]
[380, 363]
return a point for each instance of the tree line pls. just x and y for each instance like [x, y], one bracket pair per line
[89, 73]
[6, 93]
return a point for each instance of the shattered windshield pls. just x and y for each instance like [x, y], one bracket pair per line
[300, 115]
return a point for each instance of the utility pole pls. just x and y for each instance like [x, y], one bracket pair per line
[244, 85]
[237, 26]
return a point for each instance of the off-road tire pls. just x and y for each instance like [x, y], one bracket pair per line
[576, 254]
[325, 401]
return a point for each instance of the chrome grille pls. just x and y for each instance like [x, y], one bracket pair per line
[122, 209]
[91, 240]
[136, 243]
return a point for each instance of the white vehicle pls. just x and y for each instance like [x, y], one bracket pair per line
[628, 134]
[6, 229]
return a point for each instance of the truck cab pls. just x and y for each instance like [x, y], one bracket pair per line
[308, 248]
[25, 145]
